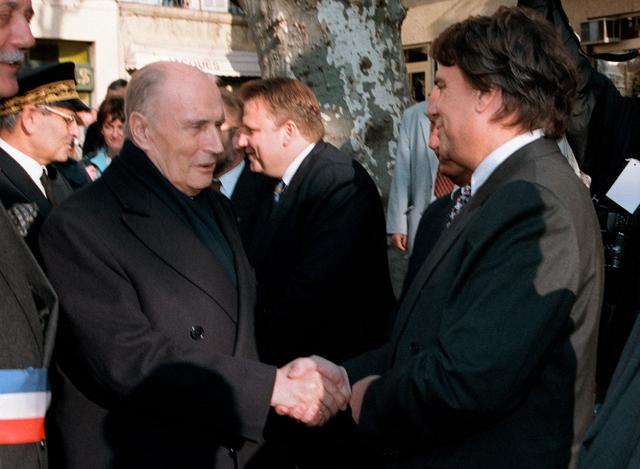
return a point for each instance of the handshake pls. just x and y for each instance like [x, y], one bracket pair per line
[312, 390]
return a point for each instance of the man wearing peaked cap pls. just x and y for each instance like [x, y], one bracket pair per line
[37, 128]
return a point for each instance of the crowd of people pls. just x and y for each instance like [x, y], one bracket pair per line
[207, 285]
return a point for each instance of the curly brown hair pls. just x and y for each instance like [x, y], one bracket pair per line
[519, 52]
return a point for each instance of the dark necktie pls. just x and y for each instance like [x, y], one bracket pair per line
[443, 185]
[55, 188]
[216, 185]
[461, 199]
[277, 191]
[46, 183]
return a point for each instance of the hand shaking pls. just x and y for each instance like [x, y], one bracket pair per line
[311, 390]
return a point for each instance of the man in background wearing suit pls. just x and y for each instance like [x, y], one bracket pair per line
[156, 345]
[491, 362]
[232, 175]
[37, 128]
[320, 255]
[414, 175]
[28, 304]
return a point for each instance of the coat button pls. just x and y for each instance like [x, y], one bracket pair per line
[414, 347]
[197, 332]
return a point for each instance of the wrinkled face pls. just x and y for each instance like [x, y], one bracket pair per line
[113, 133]
[233, 152]
[54, 132]
[183, 131]
[15, 39]
[263, 140]
[451, 108]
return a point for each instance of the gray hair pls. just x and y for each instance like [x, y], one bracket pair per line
[9, 121]
[142, 90]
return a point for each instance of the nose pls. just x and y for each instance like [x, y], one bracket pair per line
[21, 36]
[214, 141]
[243, 140]
[432, 109]
[74, 129]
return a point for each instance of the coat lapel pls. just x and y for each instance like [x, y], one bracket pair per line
[14, 251]
[451, 235]
[156, 226]
[287, 200]
[20, 183]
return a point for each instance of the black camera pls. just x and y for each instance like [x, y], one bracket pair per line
[614, 227]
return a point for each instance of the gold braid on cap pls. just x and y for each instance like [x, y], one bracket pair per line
[45, 94]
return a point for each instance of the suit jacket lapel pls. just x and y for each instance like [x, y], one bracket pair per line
[21, 183]
[287, 200]
[14, 251]
[147, 217]
[457, 227]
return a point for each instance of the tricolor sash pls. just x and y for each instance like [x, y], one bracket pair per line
[24, 399]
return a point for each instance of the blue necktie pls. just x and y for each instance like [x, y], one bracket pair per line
[277, 191]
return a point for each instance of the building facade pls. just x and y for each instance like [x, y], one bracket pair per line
[109, 39]
[611, 26]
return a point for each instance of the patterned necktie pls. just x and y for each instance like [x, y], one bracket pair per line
[462, 198]
[277, 191]
[443, 185]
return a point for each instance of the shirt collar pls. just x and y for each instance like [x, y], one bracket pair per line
[499, 155]
[229, 179]
[295, 164]
[31, 166]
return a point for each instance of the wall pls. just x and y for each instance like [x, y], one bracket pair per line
[76, 20]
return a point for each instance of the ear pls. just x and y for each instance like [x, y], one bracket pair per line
[139, 130]
[290, 131]
[488, 101]
[27, 119]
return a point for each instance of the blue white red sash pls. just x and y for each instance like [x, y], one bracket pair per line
[24, 399]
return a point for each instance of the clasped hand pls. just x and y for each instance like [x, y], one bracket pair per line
[311, 390]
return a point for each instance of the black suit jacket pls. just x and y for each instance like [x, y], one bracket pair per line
[432, 224]
[17, 187]
[148, 313]
[250, 192]
[323, 284]
[321, 263]
[28, 320]
[491, 362]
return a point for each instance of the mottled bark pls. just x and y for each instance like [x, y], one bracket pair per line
[350, 53]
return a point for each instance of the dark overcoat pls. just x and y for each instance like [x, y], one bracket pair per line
[156, 350]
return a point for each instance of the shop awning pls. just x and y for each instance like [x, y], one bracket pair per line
[215, 61]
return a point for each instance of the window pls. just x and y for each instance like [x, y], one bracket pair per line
[420, 71]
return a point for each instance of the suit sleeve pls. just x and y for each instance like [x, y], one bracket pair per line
[400, 184]
[508, 307]
[107, 342]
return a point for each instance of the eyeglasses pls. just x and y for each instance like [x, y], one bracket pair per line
[68, 118]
